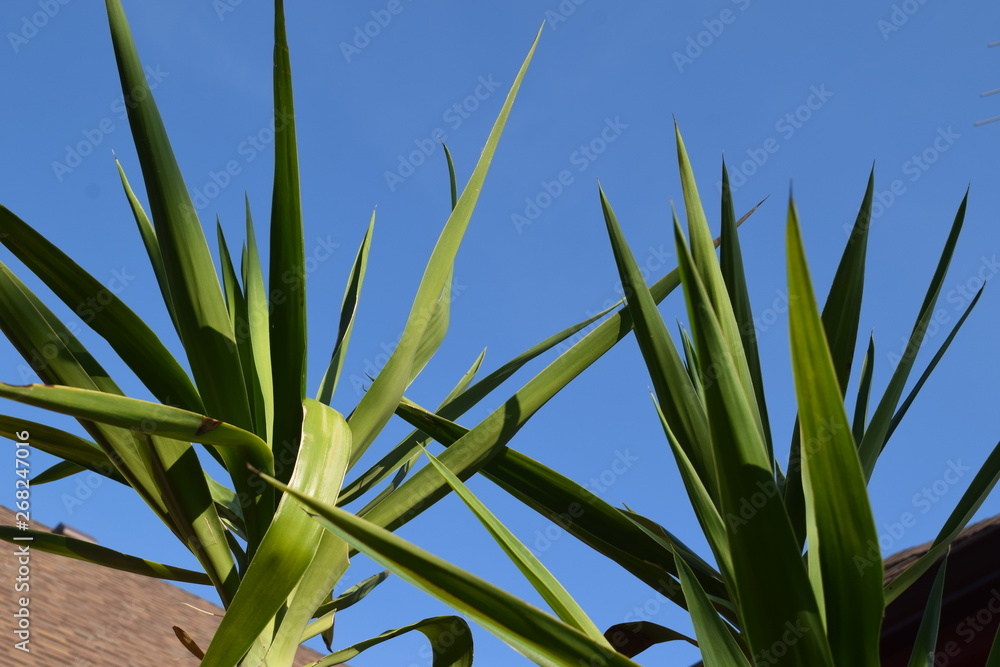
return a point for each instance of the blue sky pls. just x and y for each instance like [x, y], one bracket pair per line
[814, 92]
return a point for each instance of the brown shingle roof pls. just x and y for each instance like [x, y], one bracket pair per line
[83, 614]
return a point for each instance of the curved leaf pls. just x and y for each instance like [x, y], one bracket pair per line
[450, 637]
[89, 552]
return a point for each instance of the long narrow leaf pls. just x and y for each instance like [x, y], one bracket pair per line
[347, 313]
[731, 264]
[534, 633]
[841, 315]
[572, 507]
[745, 470]
[970, 502]
[95, 554]
[876, 435]
[100, 308]
[908, 401]
[924, 648]
[675, 393]
[203, 322]
[378, 404]
[839, 521]
[718, 648]
[557, 597]
[450, 637]
[291, 541]
[287, 256]
[864, 392]
[475, 449]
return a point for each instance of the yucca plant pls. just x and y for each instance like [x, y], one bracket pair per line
[797, 576]
[244, 404]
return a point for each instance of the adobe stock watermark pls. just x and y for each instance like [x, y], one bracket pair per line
[580, 159]
[772, 655]
[598, 484]
[94, 136]
[454, 116]
[32, 24]
[899, 15]
[248, 150]
[562, 12]
[890, 533]
[786, 126]
[914, 168]
[223, 7]
[698, 43]
[365, 33]
[770, 315]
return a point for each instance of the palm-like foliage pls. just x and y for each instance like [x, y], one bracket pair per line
[766, 602]
[244, 403]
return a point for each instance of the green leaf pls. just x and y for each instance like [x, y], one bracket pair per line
[451, 176]
[141, 416]
[839, 522]
[454, 406]
[290, 544]
[237, 303]
[203, 321]
[378, 404]
[841, 316]
[876, 435]
[324, 615]
[474, 450]
[532, 632]
[348, 310]
[908, 401]
[101, 309]
[403, 456]
[572, 507]
[258, 327]
[970, 502]
[557, 597]
[165, 474]
[287, 274]
[88, 552]
[718, 648]
[149, 239]
[864, 392]
[710, 274]
[672, 543]
[745, 471]
[704, 507]
[691, 364]
[842, 311]
[450, 637]
[54, 473]
[63, 445]
[994, 658]
[676, 395]
[734, 277]
[926, 642]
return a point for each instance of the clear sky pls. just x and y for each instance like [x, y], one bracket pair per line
[810, 91]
